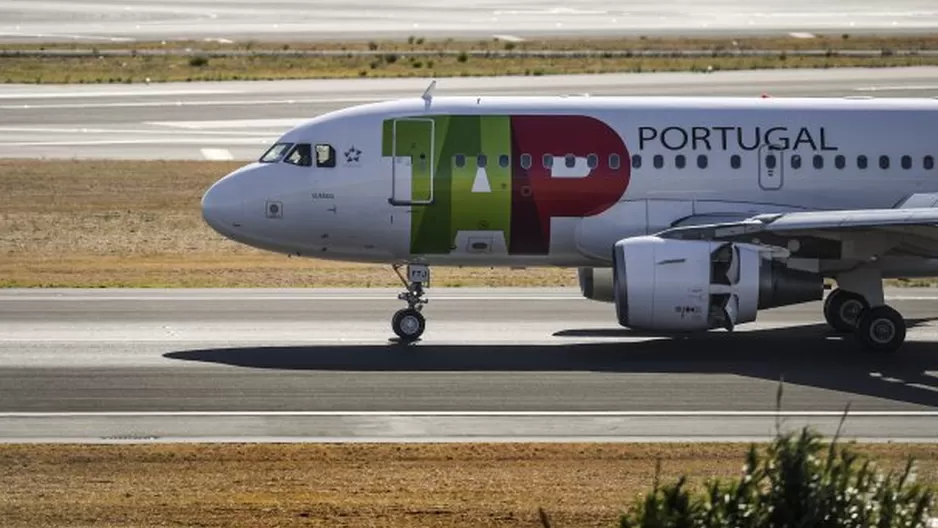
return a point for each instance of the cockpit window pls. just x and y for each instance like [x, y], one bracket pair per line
[275, 153]
[300, 155]
[325, 156]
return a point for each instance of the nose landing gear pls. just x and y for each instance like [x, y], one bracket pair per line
[409, 323]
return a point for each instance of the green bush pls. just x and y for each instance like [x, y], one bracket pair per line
[802, 481]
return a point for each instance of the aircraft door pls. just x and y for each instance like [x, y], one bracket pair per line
[771, 167]
[413, 161]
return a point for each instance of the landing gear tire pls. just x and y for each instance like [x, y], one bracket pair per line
[843, 309]
[408, 324]
[881, 329]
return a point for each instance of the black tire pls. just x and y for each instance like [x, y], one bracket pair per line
[881, 329]
[843, 309]
[408, 324]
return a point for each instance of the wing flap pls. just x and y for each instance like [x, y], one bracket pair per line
[908, 230]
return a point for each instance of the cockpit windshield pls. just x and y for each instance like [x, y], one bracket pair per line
[275, 153]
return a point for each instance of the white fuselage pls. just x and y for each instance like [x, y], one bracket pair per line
[467, 180]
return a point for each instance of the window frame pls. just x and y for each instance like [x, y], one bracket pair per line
[287, 147]
[300, 163]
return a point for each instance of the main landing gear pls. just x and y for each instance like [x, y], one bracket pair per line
[409, 323]
[879, 328]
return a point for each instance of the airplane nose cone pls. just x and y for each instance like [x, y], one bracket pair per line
[222, 206]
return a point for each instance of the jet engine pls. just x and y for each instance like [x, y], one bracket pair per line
[690, 285]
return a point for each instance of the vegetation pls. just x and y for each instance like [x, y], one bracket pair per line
[801, 481]
[203, 61]
[496, 485]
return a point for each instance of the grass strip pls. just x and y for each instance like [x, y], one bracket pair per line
[419, 57]
[353, 485]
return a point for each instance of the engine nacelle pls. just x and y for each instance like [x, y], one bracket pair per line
[596, 284]
[690, 285]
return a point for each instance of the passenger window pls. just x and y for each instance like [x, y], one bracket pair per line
[907, 162]
[592, 161]
[818, 161]
[636, 161]
[614, 161]
[460, 160]
[301, 155]
[503, 161]
[840, 161]
[481, 160]
[928, 163]
[770, 161]
[861, 161]
[702, 161]
[658, 161]
[325, 156]
[548, 161]
[796, 161]
[735, 161]
[275, 153]
[525, 161]
[884, 162]
[570, 161]
[680, 160]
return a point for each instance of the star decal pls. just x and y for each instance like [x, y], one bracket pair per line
[352, 155]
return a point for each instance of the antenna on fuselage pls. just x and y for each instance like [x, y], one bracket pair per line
[428, 93]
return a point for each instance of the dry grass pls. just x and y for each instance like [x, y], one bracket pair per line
[836, 41]
[178, 68]
[356, 485]
[178, 63]
[137, 224]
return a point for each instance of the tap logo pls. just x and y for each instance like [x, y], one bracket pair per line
[511, 174]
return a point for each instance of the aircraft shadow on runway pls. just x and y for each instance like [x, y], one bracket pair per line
[806, 355]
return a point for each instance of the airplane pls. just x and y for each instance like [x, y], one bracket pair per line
[687, 214]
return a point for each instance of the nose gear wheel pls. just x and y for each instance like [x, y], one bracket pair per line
[409, 323]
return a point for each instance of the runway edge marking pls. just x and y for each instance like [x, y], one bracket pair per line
[610, 414]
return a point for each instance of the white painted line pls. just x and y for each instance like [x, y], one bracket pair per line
[233, 102]
[330, 298]
[509, 38]
[124, 132]
[65, 35]
[232, 123]
[143, 92]
[148, 141]
[514, 414]
[105, 440]
[313, 297]
[896, 87]
[217, 154]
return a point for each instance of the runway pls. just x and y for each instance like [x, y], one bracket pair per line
[513, 364]
[238, 120]
[233, 20]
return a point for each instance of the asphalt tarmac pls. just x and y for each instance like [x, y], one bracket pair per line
[238, 120]
[234, 20]
[494, 364]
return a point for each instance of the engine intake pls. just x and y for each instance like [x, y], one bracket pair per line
[690, 285]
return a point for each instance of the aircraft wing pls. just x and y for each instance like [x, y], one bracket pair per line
[831, 234]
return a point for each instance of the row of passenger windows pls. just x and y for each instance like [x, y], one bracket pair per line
[680, 161]
[592, 161]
